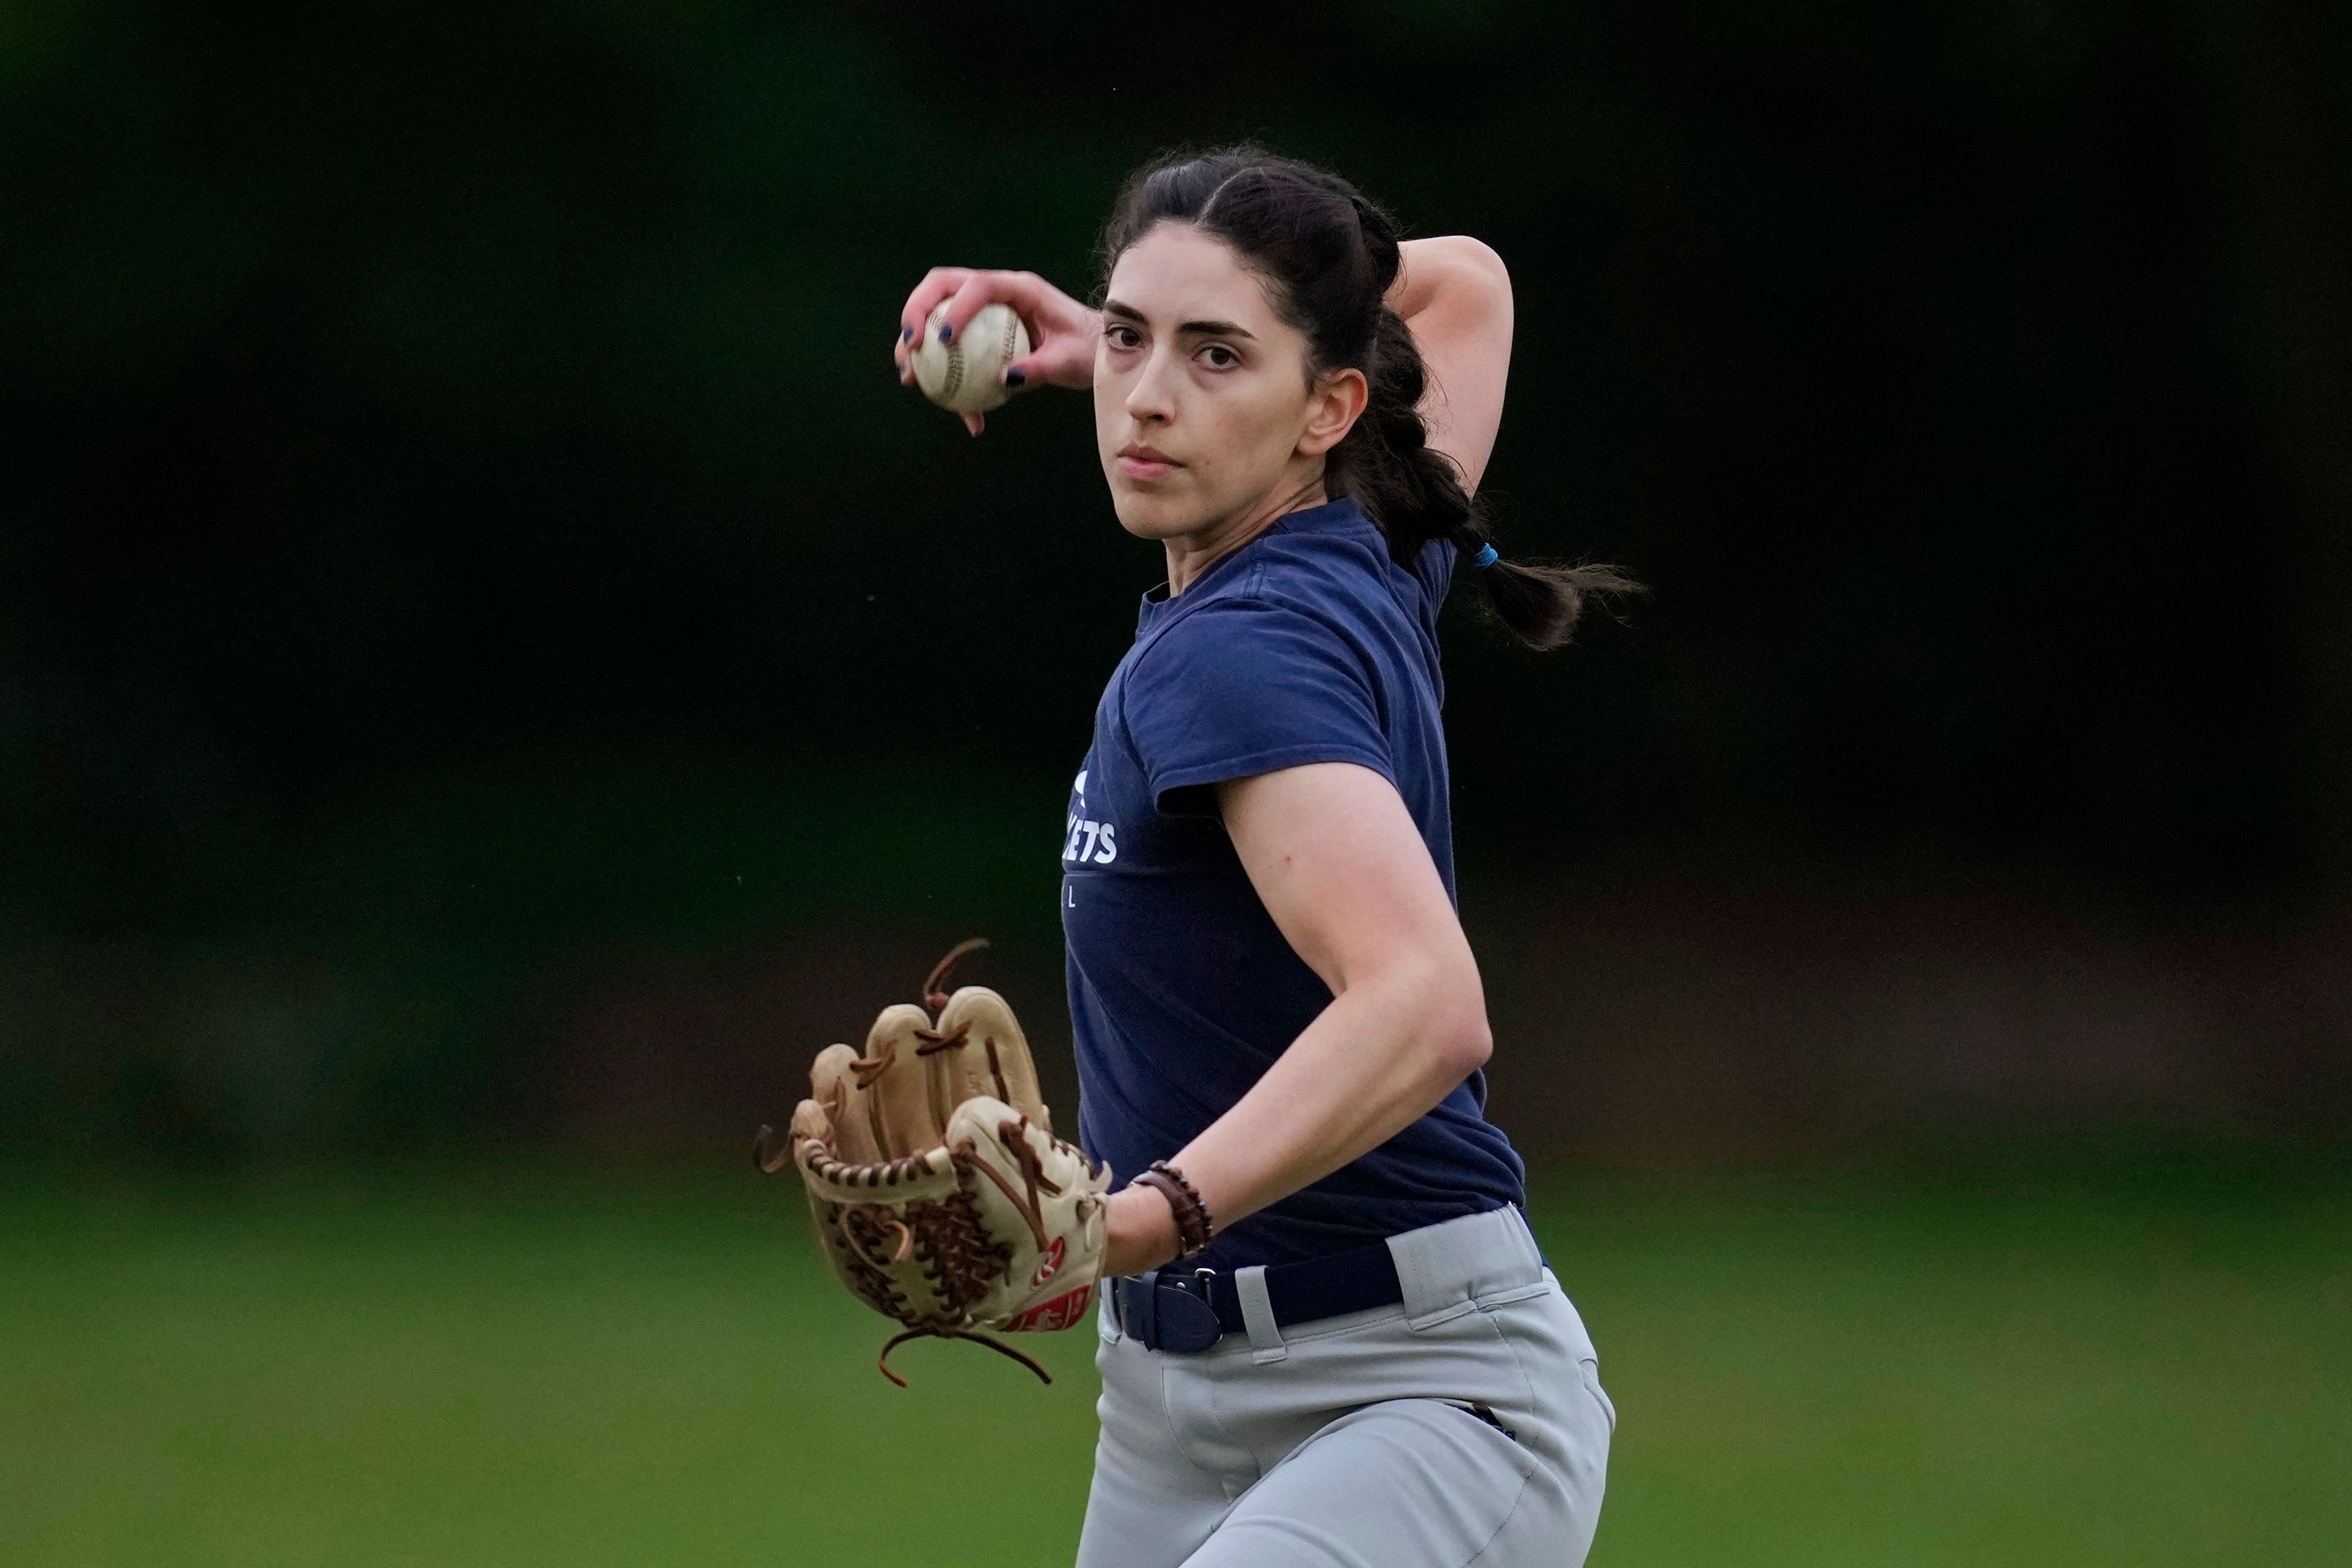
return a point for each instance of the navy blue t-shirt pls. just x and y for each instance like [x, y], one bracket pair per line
[1306, 645]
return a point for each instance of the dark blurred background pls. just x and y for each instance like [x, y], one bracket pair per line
[494, 674]
[490, 652]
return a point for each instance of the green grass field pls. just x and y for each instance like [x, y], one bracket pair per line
[524, 1366]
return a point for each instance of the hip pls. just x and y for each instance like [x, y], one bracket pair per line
[1472, 1408]
[1482, 1321]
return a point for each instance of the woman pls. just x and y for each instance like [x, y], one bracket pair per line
[1333, 1340]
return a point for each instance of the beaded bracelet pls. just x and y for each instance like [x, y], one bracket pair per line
[1194, 1225]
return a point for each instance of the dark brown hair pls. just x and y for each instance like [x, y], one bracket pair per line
[1327, 256]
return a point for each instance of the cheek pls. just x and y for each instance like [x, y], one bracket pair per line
[1110, 410]
[1261, 417]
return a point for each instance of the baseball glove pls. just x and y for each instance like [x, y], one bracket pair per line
[940, 1195]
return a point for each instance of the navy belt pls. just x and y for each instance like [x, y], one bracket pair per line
[1173, 1310]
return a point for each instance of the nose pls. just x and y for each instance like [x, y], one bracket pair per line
[1150, 398]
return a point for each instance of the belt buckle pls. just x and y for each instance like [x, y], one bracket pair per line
[1184, 1317]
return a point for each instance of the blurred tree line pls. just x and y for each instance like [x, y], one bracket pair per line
[457, 489]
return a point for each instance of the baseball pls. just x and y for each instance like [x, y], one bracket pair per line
[962, 376]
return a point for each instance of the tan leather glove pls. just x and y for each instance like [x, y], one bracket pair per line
[940, 1195]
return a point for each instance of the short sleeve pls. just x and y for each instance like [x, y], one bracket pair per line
[1434, 567]
[1241, 687]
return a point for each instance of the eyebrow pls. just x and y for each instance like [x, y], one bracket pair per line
[1198, 329]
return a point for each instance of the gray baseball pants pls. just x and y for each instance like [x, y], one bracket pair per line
[1463, 1427]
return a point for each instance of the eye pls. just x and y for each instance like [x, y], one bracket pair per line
[1218, 356]
[1120, 335]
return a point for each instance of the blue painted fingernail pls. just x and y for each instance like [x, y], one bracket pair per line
[1015, 377]
[906, 335]
[947, 333]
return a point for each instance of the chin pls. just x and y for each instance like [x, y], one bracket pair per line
[1148, 516]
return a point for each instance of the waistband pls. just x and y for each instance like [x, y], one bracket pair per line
[1433, 1273]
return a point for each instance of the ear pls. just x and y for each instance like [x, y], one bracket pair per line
[1334, 405]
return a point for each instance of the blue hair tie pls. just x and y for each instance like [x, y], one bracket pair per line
[1487, 555]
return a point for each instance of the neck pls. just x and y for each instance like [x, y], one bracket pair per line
[1190, 555]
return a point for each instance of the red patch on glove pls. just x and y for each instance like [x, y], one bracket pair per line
[1062, 1312]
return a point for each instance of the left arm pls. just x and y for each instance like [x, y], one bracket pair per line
[1338, 863]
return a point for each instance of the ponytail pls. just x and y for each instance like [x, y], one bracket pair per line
[1415, 493]
[1328, 256]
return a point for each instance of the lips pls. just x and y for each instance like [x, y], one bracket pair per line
[1140, 462]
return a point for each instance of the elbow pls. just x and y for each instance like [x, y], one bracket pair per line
[1489, 264]
[1480, 268]
[1464, 274]
[1458, 1034]
[1467, 1048]
[1435, 1010]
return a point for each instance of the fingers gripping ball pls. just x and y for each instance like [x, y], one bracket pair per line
[941, 1197]
[963, 375]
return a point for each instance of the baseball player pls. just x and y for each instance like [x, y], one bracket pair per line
[1328, 1337]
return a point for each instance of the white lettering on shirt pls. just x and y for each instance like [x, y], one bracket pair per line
[1101, 841]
